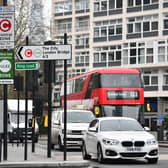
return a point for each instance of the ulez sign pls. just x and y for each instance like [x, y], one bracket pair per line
[6, 67]
[27, 65]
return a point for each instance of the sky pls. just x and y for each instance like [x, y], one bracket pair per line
[47, 14]
[47, 10]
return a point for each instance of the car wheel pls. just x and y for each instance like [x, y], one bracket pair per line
[84, 152]
[52, 146]
[99, 154]
[60, 146]
[152, 160]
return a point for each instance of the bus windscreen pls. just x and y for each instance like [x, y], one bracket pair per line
[120, 80]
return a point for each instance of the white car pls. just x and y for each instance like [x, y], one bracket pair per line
[77, 124]
[119, 137]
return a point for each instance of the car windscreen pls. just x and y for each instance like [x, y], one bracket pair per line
[14, 117]
[120, 125]
[120, 80]
[79, 117]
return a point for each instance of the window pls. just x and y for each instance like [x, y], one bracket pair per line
[82, 41]
[137, 53]
[81, 5]
[165, 21]
[150, 78]
[79, 82]
[82, 24]
[62, 7]
[165, 79]
[108, 27]
[63, 26]
[115, 4]
[82, 58]
[149, 23]
[107, 54]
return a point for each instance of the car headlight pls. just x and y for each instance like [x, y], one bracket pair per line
[110, 141]
[152, 142]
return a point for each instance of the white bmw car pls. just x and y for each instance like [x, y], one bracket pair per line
[119, 137]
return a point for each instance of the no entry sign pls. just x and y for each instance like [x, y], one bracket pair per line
[7, 27]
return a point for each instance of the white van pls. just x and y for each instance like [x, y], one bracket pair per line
[13, 131]
[77, 124]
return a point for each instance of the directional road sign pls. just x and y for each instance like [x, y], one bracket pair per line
[27, 65]
[45, 52]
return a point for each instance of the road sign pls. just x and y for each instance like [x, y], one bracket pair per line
[27, 65]
[6, 67]
[7, 27]
[46, 52]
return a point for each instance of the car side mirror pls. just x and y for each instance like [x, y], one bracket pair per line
[56, 122]
[93, 129]
[146, 128]
[30, 122]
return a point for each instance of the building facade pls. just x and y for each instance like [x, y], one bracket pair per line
[117, 33]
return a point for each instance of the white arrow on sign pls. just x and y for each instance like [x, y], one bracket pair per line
[45, 52]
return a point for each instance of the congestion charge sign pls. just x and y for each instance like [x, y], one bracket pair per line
[46, 52]
[7, 27]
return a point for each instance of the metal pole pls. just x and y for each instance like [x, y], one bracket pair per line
[18, 118]
[65, 101]
[26, 107]
[5, 149]
[49, 108]
[33, 128]
[5, 153]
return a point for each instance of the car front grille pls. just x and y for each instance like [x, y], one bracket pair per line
[135, 154]
[135, 143]
[76, 132]
[74, 139]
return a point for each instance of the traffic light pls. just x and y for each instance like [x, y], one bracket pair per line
[38, 106]
[40, 78]
[32, 79]
[49, 66]
[18, 83]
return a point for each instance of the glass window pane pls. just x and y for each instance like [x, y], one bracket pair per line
[137, 27]
[154, 25]
[146, 80]
[130, 28]
[146, 26]
[119, 4]
[111, 4]
[154, 80]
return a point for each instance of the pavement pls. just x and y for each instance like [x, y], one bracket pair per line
[16, 155]
[38, 159]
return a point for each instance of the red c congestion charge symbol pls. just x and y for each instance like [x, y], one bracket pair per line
[28, 52]
[5, 25]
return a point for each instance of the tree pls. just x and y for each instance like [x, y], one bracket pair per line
[24, 14]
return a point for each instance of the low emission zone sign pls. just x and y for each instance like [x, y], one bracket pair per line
[46, 52]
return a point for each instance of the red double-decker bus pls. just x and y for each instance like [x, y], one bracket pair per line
[107, 92]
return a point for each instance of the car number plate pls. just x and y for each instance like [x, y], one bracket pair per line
[135, 149]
